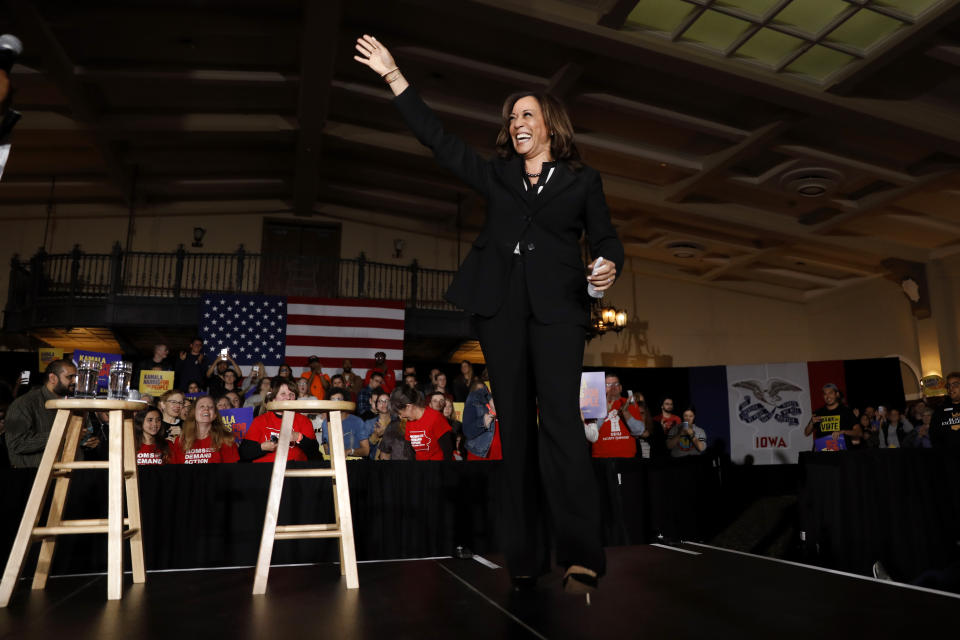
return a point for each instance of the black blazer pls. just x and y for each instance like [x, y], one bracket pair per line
[548, 226]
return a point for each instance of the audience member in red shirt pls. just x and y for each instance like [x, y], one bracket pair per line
[614, 437]
[427, 430]
[667, 418]
[148, 437]
[260, 441]
[205, 439]
[380, 365]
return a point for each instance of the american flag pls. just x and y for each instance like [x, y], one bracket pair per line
[277, 329]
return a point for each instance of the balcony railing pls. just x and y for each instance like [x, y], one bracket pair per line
[78, 275]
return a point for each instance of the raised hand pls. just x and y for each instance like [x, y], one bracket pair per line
[374, 55]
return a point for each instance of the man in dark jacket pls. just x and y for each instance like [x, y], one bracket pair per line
[29, 421]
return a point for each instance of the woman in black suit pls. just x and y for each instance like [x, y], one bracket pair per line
[524, 283]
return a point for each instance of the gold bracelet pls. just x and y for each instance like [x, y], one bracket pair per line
[394, 78]
[385, 74]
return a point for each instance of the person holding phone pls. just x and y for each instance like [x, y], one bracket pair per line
[686, 438]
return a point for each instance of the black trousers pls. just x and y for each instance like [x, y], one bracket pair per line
[546, 467]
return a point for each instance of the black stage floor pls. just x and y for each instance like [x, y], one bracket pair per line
[687, 591]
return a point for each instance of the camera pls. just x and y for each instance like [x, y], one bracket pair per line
[274, 439]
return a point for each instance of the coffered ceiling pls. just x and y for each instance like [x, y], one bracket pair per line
[782, 148]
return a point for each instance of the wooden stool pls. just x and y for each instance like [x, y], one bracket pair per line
[342, 527]
[59, 461]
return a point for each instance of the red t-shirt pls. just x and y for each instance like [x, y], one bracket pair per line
[424, 433]
[615, 439]
[203, 452]
[268, 424]
[148, 454]
[496, 452]
[389, 379]
[668, 422]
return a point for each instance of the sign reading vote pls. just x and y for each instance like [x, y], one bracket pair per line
[155, 383]
[593, 395]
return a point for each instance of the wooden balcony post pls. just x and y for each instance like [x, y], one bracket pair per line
[116, 270]
[241, 254]
[178, 272]
[414, 277]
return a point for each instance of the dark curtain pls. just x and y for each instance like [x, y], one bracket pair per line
[212, 515]
[899, 506]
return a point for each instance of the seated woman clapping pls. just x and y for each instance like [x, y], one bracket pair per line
[260, 441]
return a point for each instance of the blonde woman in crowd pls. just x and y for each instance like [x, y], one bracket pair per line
[205, 439]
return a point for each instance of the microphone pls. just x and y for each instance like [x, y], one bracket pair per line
[10, 50]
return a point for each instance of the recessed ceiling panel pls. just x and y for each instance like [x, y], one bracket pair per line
[769, 46]
[716, 30]
[865, 29]
[659, 15]
[758, 8]
[912, 8]
[810, 16]
[820, 62]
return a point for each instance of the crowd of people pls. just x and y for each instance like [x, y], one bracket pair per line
[185, 425]
[411, 420]
[924, 424]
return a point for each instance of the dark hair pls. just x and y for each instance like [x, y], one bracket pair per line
[556, 120]
[56, 368]
[376, 374]
[403, 396]
[335, 376]
[160, 440]
[952, 374]
[278, 382]
[337, 391]
[289, 368]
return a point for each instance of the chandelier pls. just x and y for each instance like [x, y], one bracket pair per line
[604, 319]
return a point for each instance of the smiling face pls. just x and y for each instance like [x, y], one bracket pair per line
[528, 129]
[285, 393]
[172, 406]
[151, 423]
[205, 411]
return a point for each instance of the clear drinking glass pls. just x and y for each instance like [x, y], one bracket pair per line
[120, 374]
[88, 373]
